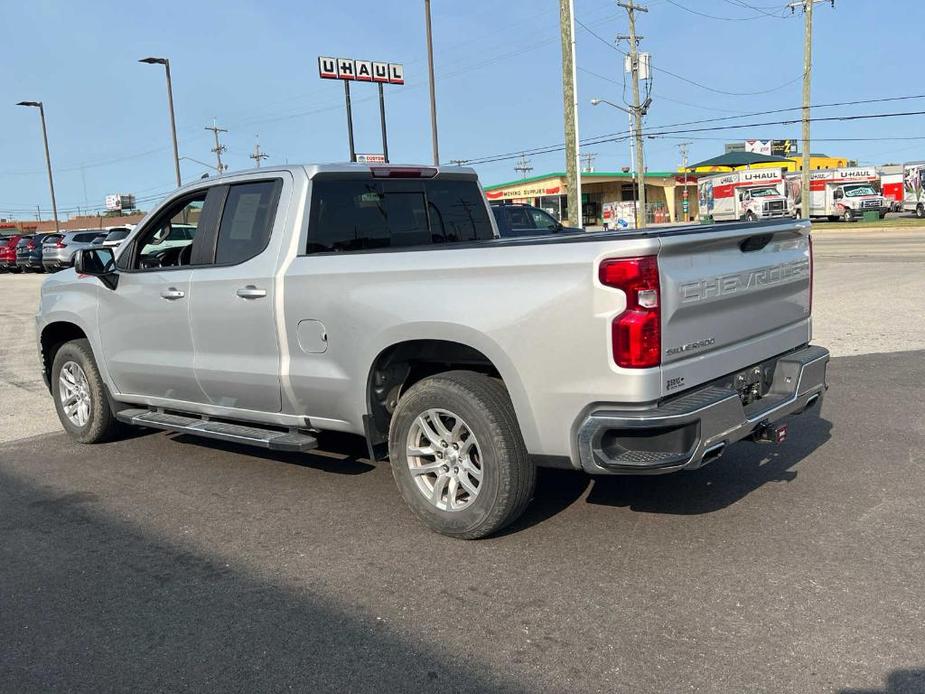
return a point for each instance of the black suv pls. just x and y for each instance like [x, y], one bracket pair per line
[526, 220]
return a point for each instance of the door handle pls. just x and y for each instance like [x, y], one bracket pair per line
[172, 293]
[251, 292]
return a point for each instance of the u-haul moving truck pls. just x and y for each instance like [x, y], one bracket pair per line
[914, 188]
[750, 195]
[891, 186]
[839, 193]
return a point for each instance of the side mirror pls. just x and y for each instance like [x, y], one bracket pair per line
[97, 262]
[558, 226]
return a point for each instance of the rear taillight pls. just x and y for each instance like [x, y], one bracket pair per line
[30, 246]
[637, 332]
[60, 244]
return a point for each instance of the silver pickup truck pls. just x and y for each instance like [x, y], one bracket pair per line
[380, 301]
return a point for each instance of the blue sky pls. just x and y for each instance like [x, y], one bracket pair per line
[252, 65]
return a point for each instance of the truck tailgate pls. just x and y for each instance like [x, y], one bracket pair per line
[732, 297]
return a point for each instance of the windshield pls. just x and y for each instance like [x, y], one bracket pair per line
[855, 191]
[763, 192]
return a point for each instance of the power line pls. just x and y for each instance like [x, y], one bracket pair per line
[685, 79]
[744, 115]
[761, 10]
[661, 133]
[762, 15]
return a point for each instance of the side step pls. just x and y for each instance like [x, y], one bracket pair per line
[236, 433]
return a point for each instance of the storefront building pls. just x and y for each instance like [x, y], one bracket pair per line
[665, 199]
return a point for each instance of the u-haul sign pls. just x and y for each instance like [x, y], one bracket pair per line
[360, 70]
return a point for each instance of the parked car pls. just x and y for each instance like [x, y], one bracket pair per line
[526, 220]
[379, 301]
[58, 249]
[8, 253]
[115, 236]
[29, 253]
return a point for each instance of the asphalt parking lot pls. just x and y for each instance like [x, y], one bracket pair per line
[168, 563]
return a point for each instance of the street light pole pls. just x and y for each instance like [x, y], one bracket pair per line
[433, 94]
[173, 121]
[51, 179]
[628, 112]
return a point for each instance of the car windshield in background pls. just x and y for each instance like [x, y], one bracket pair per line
[86, 237]
[855, 191]
[117, 234]
[764, 192]
[361, 214]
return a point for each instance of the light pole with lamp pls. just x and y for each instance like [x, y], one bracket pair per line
[51, 180]
[173, 122]
[639, 175]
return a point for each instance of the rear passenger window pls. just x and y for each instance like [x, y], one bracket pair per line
[352, 214]
[86, 238]
[246, 221]
[519, 218]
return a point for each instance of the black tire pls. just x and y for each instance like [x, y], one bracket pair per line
[750, 216]
[920, 211]
[508, 476]
[847, 216]
[101, 424]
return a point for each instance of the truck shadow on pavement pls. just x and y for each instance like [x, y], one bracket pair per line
[906, 681]
[743, 469]
[93, 602]
[341, 454]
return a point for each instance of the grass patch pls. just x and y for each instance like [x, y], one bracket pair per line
[888, 223]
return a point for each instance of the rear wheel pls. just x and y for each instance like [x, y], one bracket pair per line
[80, 396]
[458, 457]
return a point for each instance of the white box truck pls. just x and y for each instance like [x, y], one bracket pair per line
[914, 188]
[749, 195]
[839, 193]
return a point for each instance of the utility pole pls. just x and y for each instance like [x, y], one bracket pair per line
[219, 147]
[523, 166]
[588, 159]
[685, 204]
[807, 6]
[638, 110]
[433, 92]
[258, 155]
[570, 111]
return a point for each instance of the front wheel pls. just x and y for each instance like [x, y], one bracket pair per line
[80, 396]
[750, 216]
[920, 211]
[847, 216]
[457, 455]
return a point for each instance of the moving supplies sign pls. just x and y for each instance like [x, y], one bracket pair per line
[360, 70]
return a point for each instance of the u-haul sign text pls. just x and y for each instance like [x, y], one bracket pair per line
[360, 70]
